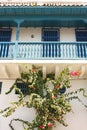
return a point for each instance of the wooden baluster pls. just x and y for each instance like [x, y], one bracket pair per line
[51, 51]
[44, 50]
[54, 50]
[67, 50]
[41, 50]
[27, 47]
[71, 50]
[84, 50]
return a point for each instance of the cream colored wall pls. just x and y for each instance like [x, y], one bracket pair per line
[76, 120]
[66, 34]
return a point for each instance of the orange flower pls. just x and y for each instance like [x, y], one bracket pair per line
[58, 86]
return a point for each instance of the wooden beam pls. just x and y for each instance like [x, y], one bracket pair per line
[56, 71]
[44, 71]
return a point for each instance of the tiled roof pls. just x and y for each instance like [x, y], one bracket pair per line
[26, 3]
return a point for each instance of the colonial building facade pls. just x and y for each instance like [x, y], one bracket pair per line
[53, 30]
[40, 32]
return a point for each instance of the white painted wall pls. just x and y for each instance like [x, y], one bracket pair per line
[76, 120]
[66, 34]
[13, 36]
[26, 33]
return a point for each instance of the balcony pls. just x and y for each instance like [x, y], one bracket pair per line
[43, 50]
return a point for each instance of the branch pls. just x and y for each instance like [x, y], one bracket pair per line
[75, 92]
[76, 97]
[29, 125]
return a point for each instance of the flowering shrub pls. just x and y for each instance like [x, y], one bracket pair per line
[50, 104]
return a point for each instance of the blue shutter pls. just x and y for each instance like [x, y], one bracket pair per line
[50, 35]
[0, 87]
[23, 87]
[5, 35]
[81, 35]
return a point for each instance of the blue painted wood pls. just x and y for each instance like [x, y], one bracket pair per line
[0, 87]
[1, 46]
[15, 49]
[74, 16]
[4, 49]
[81, 35]
[43, 50]
[18, 31]
[50, 34]
[38, 21]
[26, 10]
[18, 21]
[5, 36]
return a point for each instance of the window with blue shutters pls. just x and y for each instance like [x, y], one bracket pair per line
[50, 48]
[23, 87]
[5, 35]
[0, 87]
[49, 34]
[5, 38]
[81, 35]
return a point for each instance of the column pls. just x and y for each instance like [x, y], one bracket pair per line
[17, 37]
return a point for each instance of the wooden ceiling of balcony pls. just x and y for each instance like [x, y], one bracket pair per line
[46, 15]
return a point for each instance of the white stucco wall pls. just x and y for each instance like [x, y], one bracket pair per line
[76, 120]
[66, 34]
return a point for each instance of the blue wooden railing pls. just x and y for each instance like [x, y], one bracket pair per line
[43, 50]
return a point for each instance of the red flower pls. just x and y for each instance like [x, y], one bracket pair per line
[78, 73]
[41, 126]
[75, 73]
[50, 125]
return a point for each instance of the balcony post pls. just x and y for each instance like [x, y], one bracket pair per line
[85, 21]
[17, 37]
